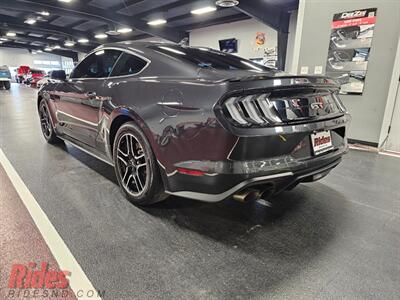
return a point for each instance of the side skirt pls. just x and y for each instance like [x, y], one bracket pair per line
[87, 149]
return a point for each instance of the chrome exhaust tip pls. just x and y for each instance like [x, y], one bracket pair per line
[247, 195]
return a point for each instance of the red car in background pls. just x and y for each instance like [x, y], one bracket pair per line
[22, 73]
[34, 76]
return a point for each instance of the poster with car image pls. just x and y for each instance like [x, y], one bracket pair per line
[349, 48]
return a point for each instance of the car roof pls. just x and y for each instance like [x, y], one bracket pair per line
[137, 44]
[140, 47]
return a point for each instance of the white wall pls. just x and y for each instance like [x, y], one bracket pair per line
[244, 31]
[368, 109]
[18, 57]
[14, 57]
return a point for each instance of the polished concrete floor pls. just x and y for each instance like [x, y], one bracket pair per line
[334, 239]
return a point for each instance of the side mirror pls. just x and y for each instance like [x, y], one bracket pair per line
[58, 75]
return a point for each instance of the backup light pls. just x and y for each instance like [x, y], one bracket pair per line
[157, 22]
[203, 10]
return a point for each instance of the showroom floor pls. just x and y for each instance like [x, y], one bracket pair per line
[337, 238]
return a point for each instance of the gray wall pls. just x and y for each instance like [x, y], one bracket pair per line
[367, 110]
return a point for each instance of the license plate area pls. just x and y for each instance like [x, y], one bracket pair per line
[321, 142]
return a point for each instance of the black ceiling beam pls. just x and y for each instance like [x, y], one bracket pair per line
[48, 42]
[261, 11]
[77, 23]
[274, 16]
[132, 36]
[44, 27]
[218, 21]
[141, 36]
[189, 15]
[163, 8]
[125, 4]
[70, 54]
[84, 11]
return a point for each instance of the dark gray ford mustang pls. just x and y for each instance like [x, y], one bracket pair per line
[195, 122]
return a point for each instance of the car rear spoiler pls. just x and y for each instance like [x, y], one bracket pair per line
[289, 80]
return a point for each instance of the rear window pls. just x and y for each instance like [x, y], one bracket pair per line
[128, 65]
[208, 58]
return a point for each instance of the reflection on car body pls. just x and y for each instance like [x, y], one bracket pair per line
[195, 122]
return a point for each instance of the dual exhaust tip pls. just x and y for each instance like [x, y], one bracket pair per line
[253, 194]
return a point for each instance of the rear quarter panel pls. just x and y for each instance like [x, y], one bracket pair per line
[185, 131]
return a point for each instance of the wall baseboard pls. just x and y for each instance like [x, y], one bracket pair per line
[371, 144]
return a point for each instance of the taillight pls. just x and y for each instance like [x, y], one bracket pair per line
[251, 109]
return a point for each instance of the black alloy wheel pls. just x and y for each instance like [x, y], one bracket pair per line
[46, 125]
[135, 166]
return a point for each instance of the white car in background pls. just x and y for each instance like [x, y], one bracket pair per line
[5, 77]
[45, 80]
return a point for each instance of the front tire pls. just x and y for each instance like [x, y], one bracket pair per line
[136, 166]
[7, 85]
[46, 125]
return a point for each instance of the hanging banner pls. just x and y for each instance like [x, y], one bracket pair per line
[350, 44]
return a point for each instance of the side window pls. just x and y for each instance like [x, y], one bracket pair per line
[97, 65]
[128, 64]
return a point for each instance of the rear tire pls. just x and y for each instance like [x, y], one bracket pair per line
[7, 85]
[136, 166]
[46, 124]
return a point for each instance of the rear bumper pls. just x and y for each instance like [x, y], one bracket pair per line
[221, 186]
[5, 79]
[276, 161]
